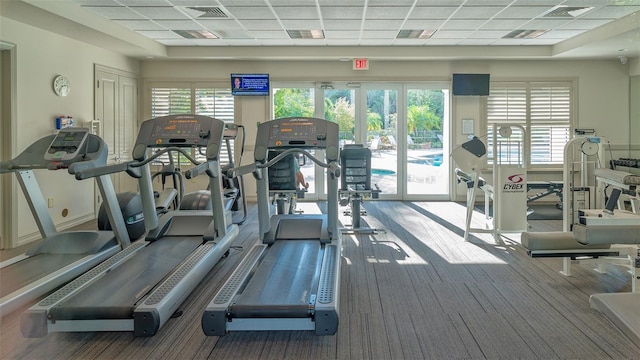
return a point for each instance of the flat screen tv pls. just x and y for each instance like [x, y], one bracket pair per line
[471, 84]
[250, 84]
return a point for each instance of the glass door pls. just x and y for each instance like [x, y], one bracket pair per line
[427, 142]
[378, 129]
[290, 100]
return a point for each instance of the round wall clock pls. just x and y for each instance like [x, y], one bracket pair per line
[61, 85]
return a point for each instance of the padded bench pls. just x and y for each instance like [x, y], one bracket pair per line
[622, 309]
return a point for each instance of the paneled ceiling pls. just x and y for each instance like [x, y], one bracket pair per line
[373, 28]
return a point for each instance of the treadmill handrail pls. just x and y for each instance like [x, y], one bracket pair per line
[126, 166]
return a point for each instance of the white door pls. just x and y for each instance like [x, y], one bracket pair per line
[116, 109]
[8, 182]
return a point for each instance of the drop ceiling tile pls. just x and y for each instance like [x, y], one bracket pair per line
[97, 2]
[549, 3]
[610, 12]
[193, 3]
[234, 35]
[262, 25]
[382, 24]
[297, 12]
[341, 34]
[289, 2]
[341, 12]
[157, 13]
[489, 2]
[560, 34]
[387, 12]
[337, 25]
[221, 24]
[379, 34]
[440, 2]
[253, 12]
[301, 24]
[422, 24]
[139, 24]
[504, 24]
[432, 12]
[340, 2]
[477, 12]
[113, 13]
[387, 2]
[522, 12]
[145, 2]
[448, 34]
[462, 24]
[179, 24]
[546, 23]
[488, 34]
[270, 34]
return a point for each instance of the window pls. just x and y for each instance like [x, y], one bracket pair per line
[544, 109]
[194, 99]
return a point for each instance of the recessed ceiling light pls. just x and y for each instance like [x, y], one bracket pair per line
[196, 34]
[306, 34]
[564, 11]
[524, 34]
[415, 34]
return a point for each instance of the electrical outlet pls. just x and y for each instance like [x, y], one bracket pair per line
[50, 202]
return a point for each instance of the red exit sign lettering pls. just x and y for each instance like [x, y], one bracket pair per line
[360, 64]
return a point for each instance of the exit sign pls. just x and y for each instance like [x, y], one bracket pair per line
[360, 64]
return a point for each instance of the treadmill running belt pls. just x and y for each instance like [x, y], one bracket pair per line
[114, 295]
[283, 282]
[29, 270]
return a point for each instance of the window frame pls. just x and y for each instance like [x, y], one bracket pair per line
[193, 87]
[527, 116]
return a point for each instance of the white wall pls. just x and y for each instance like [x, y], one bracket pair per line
[41, 56]
[602, 94]
[602, 85]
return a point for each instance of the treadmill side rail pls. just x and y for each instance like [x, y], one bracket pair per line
[214, 319]
[158, 307]
[38, 315]
[326, 308]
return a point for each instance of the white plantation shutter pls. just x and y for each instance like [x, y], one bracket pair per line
[544, 109]
[216, 103]
[201, 100]
[550, 122]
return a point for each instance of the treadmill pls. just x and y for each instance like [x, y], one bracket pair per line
[141, 287]
[290, 279]
[60, 256]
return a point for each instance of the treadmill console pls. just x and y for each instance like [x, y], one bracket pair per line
[179, 130]
[67, 144]
[297, 132]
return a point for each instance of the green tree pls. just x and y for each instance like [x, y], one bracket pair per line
[374, 121]
[344, 113]
[419, 117]
[292, 102]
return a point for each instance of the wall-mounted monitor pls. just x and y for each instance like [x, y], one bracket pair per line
[471, 84]
[250, 84]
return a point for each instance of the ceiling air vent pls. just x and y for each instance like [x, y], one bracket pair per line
[564, 11]
[196, 34]
[208, 12]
